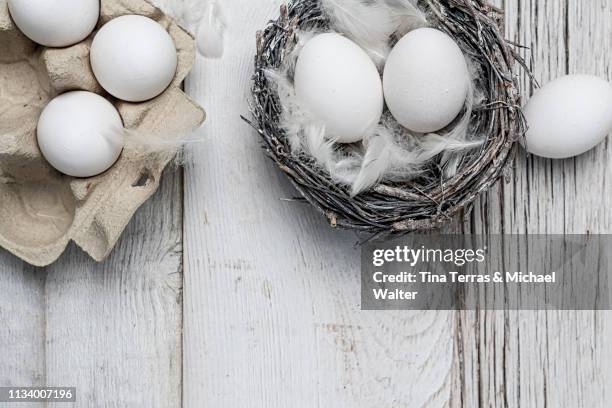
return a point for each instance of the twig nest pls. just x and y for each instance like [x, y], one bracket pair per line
[424, 184]
[42, 210]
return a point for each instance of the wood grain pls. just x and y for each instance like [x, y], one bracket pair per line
[113, 329]
[272, 315]
[22, 323]
[271, 309]
[545, 359]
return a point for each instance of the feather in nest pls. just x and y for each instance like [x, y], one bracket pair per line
[395, 154]
[371, 23]
[407, 16]
[390, 152]
[305, 134]
[367, 23]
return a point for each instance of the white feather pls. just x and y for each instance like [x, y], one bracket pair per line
[203, 18]
[187, 13]
[369, 24]
[294, 117]
[146, 142]
[457, 138]
[347, 168]
[389, 153]
[376, 162]
[319, 147]
[210, 35]
[395, 154]
[406, 16]
[304, 133]
[307, 136]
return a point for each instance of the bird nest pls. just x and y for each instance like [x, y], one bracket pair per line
[429, 200]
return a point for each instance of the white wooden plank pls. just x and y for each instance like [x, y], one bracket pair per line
[271, 309]
[272, 313]
[114, 329]
[545, 359]
[22, 323]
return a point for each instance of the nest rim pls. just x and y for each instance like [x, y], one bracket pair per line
[399, 208]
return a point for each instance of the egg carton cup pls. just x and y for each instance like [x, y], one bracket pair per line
[426, 202]
[41, 210]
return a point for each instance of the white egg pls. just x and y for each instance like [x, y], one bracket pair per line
[340, 85]
[568, 116]
[134, 58]
[77, 134]
[426, 80]
[57, 23]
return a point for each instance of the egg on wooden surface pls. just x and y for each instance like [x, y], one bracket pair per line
[57, 23]
[568, 116]
[340, 85]
[75, 134]
[133, 58]
[426, 80]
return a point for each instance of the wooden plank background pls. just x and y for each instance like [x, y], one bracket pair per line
[267, 312]
[545, 359]
[113, 330]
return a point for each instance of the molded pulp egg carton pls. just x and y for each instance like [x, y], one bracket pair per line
[41, 210]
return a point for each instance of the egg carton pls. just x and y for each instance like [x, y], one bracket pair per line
[41, 210]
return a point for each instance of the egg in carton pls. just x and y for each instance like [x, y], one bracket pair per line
[42, 210]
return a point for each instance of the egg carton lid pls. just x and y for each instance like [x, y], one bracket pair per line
[43, 210]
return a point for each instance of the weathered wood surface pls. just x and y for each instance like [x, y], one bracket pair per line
[271, 316]
[272, 313]
[22, 323]
[113, 330]
[545, 359]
